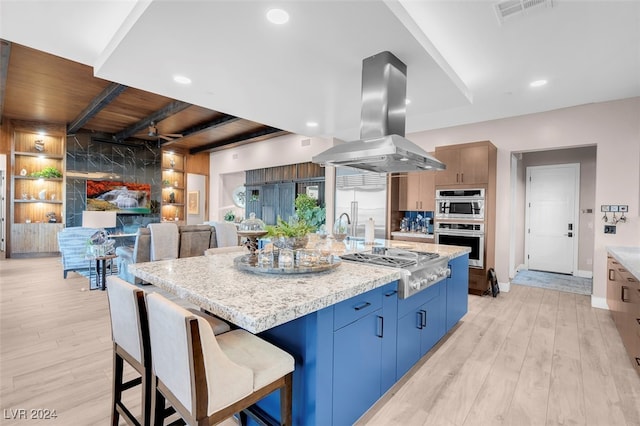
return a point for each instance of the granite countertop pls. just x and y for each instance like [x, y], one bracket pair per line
[258, 302]
[629, 257]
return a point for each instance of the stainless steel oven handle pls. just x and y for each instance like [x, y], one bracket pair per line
[460, 234]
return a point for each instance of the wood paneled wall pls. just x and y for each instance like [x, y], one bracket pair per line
[289, 172]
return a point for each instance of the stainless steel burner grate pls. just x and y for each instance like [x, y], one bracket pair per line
[380, 260]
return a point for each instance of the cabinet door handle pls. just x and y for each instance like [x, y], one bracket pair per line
[631, 280]
[423, 315]
[612, 275]
[623, 294]
[364, 305]
[380, 330]
[637, 360]
[391, 293]
[419, 320]
[416, 205]
[462, 177]
[457, 177]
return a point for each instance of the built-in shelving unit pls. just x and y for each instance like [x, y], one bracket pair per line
[173, 187]
[38, 188]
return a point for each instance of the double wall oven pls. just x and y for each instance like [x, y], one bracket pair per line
[460, 221]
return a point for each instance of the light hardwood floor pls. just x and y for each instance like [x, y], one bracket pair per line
[530, 356]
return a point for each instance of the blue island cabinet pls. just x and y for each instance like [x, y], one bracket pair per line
[345, 358]
[421, 324]
[349, 354]
[457, 290]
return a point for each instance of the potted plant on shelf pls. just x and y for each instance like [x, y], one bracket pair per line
[47, 173]
[230, 216]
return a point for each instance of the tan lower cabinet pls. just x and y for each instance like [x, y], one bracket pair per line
[417, 191]
[623, 298]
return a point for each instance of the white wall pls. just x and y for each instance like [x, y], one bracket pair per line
[196, 183]
[614, 127]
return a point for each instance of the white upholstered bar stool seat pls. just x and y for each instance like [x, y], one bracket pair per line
[208, 378]
[130, 335]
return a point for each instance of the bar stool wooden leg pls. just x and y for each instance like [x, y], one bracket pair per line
[286, 396]
[118, 370]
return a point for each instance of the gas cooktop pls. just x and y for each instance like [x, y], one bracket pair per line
[421, 269]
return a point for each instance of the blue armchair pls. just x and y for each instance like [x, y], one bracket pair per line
[72, 243]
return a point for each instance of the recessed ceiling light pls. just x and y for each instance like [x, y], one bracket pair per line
[312, 124]
[181, 79]
[278, 16]
[538, 83]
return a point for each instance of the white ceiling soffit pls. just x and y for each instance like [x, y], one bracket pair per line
[75, 30]
[284, 76]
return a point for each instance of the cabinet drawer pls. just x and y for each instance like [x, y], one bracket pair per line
[412, 303]
[357, 307]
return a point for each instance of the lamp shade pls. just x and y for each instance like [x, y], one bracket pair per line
[98, 219]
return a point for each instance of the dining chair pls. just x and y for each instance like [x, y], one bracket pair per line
[130, 335]
[209, 378]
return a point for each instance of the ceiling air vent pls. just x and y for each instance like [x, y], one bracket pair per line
[510, 8]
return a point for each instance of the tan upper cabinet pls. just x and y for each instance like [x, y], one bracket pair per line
[417, 191]
[466, 164]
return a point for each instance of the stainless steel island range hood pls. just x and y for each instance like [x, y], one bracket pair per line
[382, 147]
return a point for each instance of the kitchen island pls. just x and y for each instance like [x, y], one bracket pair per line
[351, 337]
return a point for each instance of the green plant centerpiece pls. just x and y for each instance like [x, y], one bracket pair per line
[289, 235]
[293, 234]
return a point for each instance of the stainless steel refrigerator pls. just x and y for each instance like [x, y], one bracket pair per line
[362, 195]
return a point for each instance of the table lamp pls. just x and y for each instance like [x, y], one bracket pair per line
[99, 245]
[98, 219]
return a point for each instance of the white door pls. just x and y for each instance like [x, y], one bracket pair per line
[552, 218]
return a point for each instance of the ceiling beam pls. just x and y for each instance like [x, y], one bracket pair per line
[205, 127]
[104, 98]
[5, 52]
[235, 139]
[172, 108]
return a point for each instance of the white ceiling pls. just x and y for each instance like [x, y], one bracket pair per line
[463, 65]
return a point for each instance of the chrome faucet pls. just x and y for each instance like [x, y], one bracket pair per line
[348, 219]
[348, 222]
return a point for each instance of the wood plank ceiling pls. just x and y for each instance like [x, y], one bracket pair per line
[37, 86]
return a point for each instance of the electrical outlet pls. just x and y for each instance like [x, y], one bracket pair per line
[623, 209]
[609, 229]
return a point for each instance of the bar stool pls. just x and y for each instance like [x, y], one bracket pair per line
[208, 378]
[130, 335]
